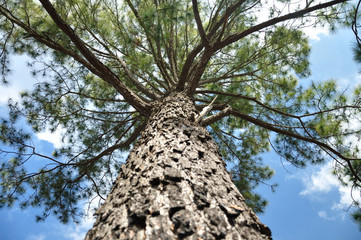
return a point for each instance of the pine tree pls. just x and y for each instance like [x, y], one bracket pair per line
[188, 86]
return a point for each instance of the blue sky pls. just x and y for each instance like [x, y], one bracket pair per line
[308, 204]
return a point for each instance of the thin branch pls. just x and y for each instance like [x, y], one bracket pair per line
[355, 26]
[95, 98]
[223, 19]
[329, 150]
[225, 76]
[156, 54]
[274, 109]
[290, 134]
[135, 81]
[111, 149]
[96, 186]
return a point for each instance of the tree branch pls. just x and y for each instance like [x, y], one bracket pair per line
[199, 23]
[184, 76]
[216, 117]
[223, 19]
[104, 72]
[124, 66]
[205, 111]
[202, 63]
[111, 149]
[46, 41]
[290, 134]
[355, 25]
[225, 76]
[235, 37]
[135, 81]
[156, 53]
[198, 71]
[329, 150]
[299, 117]
[187, 66]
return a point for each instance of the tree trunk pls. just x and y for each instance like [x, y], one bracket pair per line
[175, 185]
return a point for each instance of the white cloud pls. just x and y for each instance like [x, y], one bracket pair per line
[36, 237]
[11, 91]
[67, 232]
[52, 137]
[79, 231]
[324, 215]
[357, 78]
[322, 182]
[346, 198]
[19, 80]
[349, 83]
[315, 32]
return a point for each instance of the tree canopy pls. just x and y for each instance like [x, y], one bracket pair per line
[102, 63]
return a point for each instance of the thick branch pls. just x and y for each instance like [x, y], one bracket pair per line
[235, 37]
[216, 117]
[199, 70]
[253, 99]
[205, 111]
[231, 39]
[128, 72]
[201, 65]
[199, 23]
[187, 66]
[104, 72]
[46, 41]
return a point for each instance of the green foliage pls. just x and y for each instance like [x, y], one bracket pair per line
[357, 53]
[357, 217]
[241, 149]
[151, 47]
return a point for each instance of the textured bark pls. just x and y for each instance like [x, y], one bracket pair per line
[175, 185]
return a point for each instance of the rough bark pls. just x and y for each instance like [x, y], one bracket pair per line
[175, 185]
